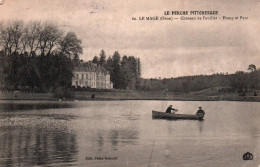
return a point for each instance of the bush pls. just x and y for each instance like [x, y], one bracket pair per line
[63, 93]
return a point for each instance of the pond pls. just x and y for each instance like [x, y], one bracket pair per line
[123, 133]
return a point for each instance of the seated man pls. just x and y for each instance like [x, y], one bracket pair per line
[169, 109]
[200, 111]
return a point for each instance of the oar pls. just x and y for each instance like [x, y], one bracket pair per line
[162, 116]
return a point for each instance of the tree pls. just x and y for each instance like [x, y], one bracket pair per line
[49, 37]
[17, 29]
[76, 61]
[11, 36]
[253, 79]
[95, 60]
[132, 70]
[108, 65]
[31, 40]
[138, 68]
[102, 58]
[138, 73]
[70, 45]
[125, 72]
[115, 75]
[252, 68]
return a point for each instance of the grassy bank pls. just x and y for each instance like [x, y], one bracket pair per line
[212, 94]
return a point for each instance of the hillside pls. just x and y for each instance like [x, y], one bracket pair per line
[238, 82]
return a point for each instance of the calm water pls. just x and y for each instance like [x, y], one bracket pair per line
[124, 131]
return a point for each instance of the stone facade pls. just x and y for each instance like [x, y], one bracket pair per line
[91, 75]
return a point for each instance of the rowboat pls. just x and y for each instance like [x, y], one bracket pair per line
[163, 115]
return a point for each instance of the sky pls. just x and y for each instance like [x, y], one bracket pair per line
[166, 48]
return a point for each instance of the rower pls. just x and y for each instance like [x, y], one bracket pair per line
[200, 111]
[169, 109]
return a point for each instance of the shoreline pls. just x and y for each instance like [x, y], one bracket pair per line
[130, 95]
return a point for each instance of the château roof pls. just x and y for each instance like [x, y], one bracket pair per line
[91, 67]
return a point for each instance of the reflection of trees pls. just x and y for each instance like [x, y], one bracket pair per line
[117, 136]
[31, 106]
[124, 135]
[36, 146]
[100, 141]
[114, 134]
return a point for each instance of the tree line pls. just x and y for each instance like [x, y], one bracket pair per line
[40, 56]
[125, 72]
[238, 82]
[37, 55]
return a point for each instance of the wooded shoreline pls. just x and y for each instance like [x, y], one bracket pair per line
[134, 95]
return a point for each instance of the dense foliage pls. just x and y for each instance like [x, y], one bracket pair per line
[238, 82]
[40, 56]
[125, 73]
[37, 55]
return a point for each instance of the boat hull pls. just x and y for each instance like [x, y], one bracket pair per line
[163, 115]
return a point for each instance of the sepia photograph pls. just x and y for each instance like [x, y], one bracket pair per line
[137, 83]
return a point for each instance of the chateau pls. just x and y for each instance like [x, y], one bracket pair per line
[91, 75]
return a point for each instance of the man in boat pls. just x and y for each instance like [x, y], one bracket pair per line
[200, 111]
[169, 109]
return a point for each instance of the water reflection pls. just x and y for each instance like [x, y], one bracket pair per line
[101, 141]
[126, 130]
[170, 129]
[29, 146]
[11, 106]
[114, 137]
[123, 135]
[200, 125]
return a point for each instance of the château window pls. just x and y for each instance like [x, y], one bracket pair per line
[82, 76]
[77, 76]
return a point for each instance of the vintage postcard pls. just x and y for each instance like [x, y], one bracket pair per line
[133, 83]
